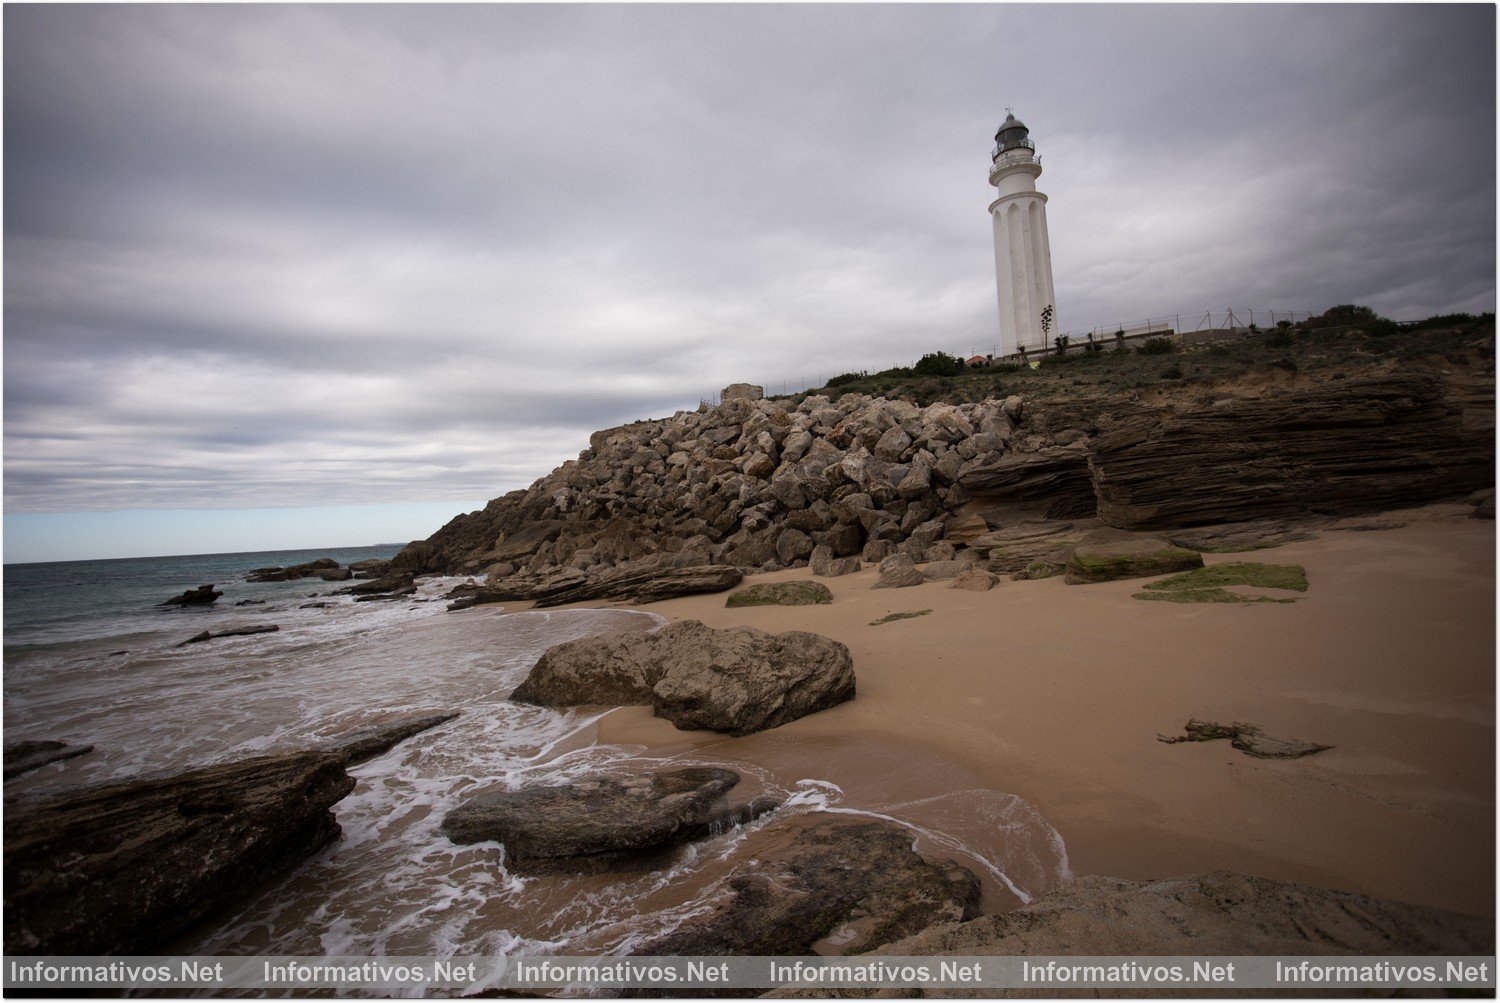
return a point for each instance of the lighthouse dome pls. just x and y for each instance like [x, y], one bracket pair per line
[1012, 133]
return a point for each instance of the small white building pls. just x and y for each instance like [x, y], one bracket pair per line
[1023, 255]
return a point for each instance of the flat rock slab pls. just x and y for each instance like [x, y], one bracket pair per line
[1247, 738]
[124, 868]
[263, 628]
[781, 594]
[834, 883]
[1205, 914]
[600, 822]
[735, 681]
[23, 757]
[1138, 558]
[367, 743]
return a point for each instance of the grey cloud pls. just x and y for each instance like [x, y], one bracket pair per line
[423, 251]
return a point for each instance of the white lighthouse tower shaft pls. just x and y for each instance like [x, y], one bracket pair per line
[1023, 255]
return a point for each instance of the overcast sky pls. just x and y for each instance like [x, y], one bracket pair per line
[392, 261]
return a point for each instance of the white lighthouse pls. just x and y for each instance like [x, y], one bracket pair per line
[1023, 256]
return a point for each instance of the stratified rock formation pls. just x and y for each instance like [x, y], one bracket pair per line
[764, 484]
[1380, 442]
[120, 869]
[601, 822]
[735, 681]
[836, 882]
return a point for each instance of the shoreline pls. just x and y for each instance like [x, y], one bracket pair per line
[1056, 694]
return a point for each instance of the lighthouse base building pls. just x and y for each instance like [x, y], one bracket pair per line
[1023, 255]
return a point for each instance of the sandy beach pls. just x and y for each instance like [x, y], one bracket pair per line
[1057, 694]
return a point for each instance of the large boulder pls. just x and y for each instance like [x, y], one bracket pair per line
[600, 822]
[123, 868]
[780, 594]
[735, 681]
[899, 572]
[801, 880]
[1139, 558]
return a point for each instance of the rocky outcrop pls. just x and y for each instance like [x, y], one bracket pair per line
[735, 681]
[325, 568]
[767, 484]
[203, 595]
[975, 580]
[602, 822]
[1205, 914]
[1378, 442]
[824, 882]
[641, 582]
[1141, 558]
[122, 868]
[780, 594]
[23, 757]
[209, 635]
[372, 568]
[390, 583]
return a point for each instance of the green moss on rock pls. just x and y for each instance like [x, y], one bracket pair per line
[780, 594]
[1206, 596]
[1266, 576]
[1140, 558]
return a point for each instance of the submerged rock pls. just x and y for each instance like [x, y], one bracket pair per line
[23, 757]
[203, 595]
[123, 868]
[1247, 738]
[602, 821]
[735, 681]
[259, 628]
[823, 881]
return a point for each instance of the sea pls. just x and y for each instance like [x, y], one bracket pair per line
[91, 658]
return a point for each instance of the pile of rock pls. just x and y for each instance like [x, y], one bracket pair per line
[761, 484]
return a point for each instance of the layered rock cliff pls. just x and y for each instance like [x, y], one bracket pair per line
[758, 484]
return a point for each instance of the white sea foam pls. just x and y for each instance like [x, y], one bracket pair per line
[393, 884]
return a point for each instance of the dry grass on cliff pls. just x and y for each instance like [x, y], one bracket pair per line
[1328, 353]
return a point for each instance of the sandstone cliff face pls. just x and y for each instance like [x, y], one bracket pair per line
[758, 484]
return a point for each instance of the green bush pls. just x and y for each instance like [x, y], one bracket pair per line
[938, 364]
[1172, 372]
[1156, 346]
[1280, 338]
[846, 378]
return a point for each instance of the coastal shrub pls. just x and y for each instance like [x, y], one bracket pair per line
[846, 378]
[1156, 346]
[1172, 372]
[1281, 338]
[938, 364]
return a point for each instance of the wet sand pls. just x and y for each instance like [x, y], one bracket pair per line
[1057, 693]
